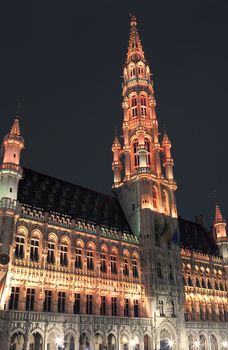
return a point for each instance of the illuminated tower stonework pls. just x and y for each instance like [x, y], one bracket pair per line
[220, 232]
[145, 187]
[10, 174]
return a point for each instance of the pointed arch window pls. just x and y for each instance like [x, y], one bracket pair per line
[51, 253]
[19, 251]
[90, 261]
[34, 249]
[154, 198]
[136, 157]
[132, 72]
[140, 70]
[125, 266]
[78, 258]
[143, 105]
[63, 255]
[134, 107]
[147, 146]
[135, 267]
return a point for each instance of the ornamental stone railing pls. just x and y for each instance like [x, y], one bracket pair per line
[28, 316]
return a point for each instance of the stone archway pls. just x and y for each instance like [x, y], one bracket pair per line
[203, 342]
[147, 342]
[54, 341]
[17, 341]
[35, 341]
[84, 343]
[124, 343]
[69, 342]
[135, 343]
[111, 342]
[166, 340]
[98, 342]
[213, 342]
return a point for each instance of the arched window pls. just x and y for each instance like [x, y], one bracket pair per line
[51, 253]
[34, 249]
[135, 267]
[89, 258]
[103, 266]
[143, 105]
[134, 107]
[63, 254]
[197, 282]
[203, 283]
[113, 260]
[154, 198]
[136, 157]
[189, 281]
[132, 72]
[147, 146]
[140, 71]
[19, 250]
[78, 258]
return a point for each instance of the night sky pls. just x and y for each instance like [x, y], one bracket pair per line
[63, 61]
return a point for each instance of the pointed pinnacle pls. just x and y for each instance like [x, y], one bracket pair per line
[218, 214]
[15, 130]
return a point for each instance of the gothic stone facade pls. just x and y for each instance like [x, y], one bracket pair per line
[84, 270]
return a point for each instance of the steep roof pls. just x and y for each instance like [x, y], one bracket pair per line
[194, 236]
[53, 195]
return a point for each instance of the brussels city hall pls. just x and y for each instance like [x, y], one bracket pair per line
[82, 270]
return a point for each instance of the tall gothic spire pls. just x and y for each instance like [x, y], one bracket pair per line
[218, 214]
[135, 50]
[141, 154]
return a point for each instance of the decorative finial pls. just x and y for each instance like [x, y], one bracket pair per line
[18, 108]
[133, 20]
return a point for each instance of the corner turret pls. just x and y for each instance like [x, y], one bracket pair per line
[220, 232]
[10, 175]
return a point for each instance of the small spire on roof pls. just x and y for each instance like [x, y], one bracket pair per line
[218, 214]
[15, 130]
[166, 139]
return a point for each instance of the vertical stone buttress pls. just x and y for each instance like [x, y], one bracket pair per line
[145, 186]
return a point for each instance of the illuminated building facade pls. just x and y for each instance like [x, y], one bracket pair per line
[84, 270]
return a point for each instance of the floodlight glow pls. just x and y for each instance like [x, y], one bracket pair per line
[170, 342]
[59, 341]
[225, 344]
[133, 342]
[196, 343]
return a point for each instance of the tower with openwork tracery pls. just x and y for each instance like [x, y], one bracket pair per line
[143, 161]
[145, 186]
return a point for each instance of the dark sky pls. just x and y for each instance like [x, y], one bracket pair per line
[63, 60]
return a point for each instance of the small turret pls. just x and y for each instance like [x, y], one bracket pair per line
[10, 175]
[220, 231]
[168, 160]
